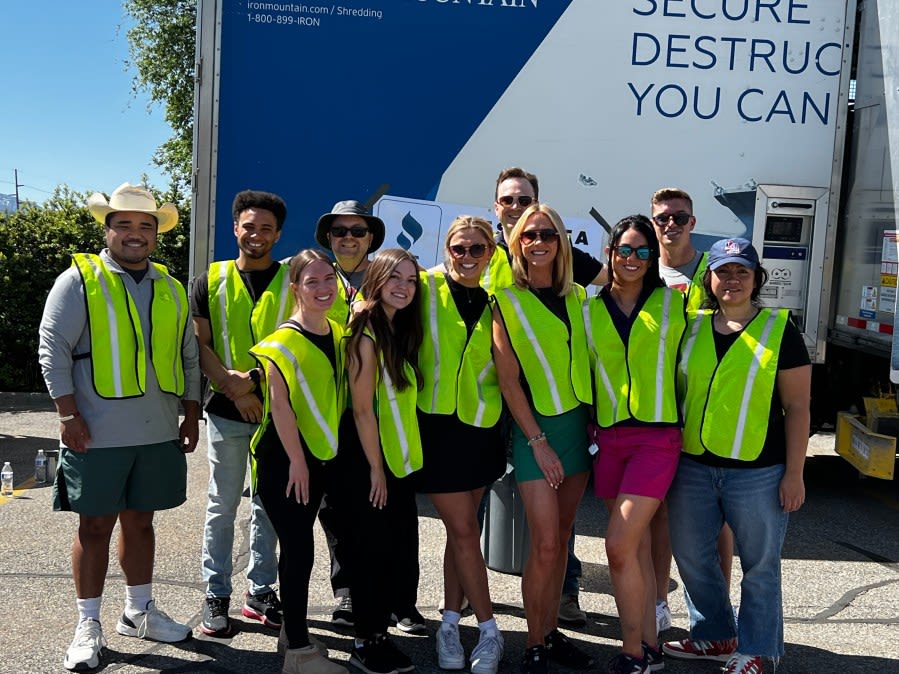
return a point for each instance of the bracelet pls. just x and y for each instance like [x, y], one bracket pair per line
[69, 417]
[537, 438]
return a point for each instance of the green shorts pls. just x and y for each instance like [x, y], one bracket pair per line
[567, 434]
[108, 480]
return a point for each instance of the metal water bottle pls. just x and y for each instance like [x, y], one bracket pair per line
[6, 480]
[40, 467]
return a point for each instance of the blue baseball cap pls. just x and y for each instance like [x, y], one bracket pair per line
[733, 250]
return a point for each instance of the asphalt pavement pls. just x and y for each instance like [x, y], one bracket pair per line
[840, 577]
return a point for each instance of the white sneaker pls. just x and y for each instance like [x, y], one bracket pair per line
[154, 625]
[486, 656]
[86, 648]
[449, 649]
[663, 616]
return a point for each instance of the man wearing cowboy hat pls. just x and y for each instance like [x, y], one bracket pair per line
[119, 358]
[235, 304]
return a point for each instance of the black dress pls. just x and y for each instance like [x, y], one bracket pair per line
[456, 456]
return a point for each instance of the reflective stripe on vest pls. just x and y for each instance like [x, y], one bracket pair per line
[459, 372]
[727, 403]
[397, 413]
[118, 349]
[628, 383]
[498, 273]
[237, 323]
[317, 389]
[556, 364]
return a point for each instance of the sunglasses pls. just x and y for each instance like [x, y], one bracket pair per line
[545, 235]
[356, 231]
[476, 250]
[524, 202]
[680, 219]
[624, 251]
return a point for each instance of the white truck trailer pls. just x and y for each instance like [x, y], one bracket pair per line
[779, 117]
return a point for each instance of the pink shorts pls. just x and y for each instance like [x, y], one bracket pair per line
[638, 460]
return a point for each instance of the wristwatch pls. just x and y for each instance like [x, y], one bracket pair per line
[255, 376]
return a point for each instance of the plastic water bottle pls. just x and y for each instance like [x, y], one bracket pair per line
[6, 480]
[40, 467]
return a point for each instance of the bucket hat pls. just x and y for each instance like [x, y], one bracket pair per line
[350, 207]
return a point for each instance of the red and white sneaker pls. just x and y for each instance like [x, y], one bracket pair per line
[744, 664]
[689, 649]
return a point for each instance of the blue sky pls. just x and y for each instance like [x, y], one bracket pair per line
[67, 114]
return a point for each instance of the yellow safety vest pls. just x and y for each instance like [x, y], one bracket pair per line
[556, 363]
[236, 322]
[459, 372]
[637, 380]
[727, 403]
[498, 273]
[341, 310]
[398, 420]
[317, 388]
[695, 291]
[118, 351]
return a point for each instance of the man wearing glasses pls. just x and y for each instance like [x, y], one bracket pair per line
[516, 189]
[351, 234]
[681, 266]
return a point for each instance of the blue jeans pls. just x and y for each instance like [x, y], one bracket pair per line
[228, 449]
[700, 500]
[573, 570]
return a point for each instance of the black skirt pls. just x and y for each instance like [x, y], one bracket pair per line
[458, 457]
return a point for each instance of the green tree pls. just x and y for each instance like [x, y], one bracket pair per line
[162, 46]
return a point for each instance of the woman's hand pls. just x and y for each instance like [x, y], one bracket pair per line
[549, 462]
[378, 493]
[298, 480]
[792, 492]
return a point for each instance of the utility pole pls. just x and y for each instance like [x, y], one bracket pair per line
[16, 181]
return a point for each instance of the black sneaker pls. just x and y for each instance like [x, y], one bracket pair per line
[627, 664]
[562, 651]
[343, 612]
[216, 622]
[411, 622]
[263, 607]
[373, 656]
[534, 661]
[401, 661]
[655, 661]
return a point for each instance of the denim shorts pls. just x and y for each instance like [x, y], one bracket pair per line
[108, 480]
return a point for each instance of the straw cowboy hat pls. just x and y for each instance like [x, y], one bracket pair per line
[127, 197]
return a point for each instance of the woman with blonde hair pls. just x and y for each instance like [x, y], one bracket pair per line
[459, 411]
[540, 348]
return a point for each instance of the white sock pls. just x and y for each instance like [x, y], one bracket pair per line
[488, 626]
[89, 609]
[451, 618]
[137, 597]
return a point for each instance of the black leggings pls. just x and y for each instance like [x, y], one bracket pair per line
[293, 523]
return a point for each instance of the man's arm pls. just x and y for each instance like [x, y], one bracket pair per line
[236, 385]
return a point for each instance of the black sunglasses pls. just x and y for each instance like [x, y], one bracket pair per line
[624, 251]
[476, 250]
[680, 219]
[357, 232]
[545, 235]
[524, 202]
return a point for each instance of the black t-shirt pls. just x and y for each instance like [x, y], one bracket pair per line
[256, 281]
[584, 267]
[470, 302]
[792, 354]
